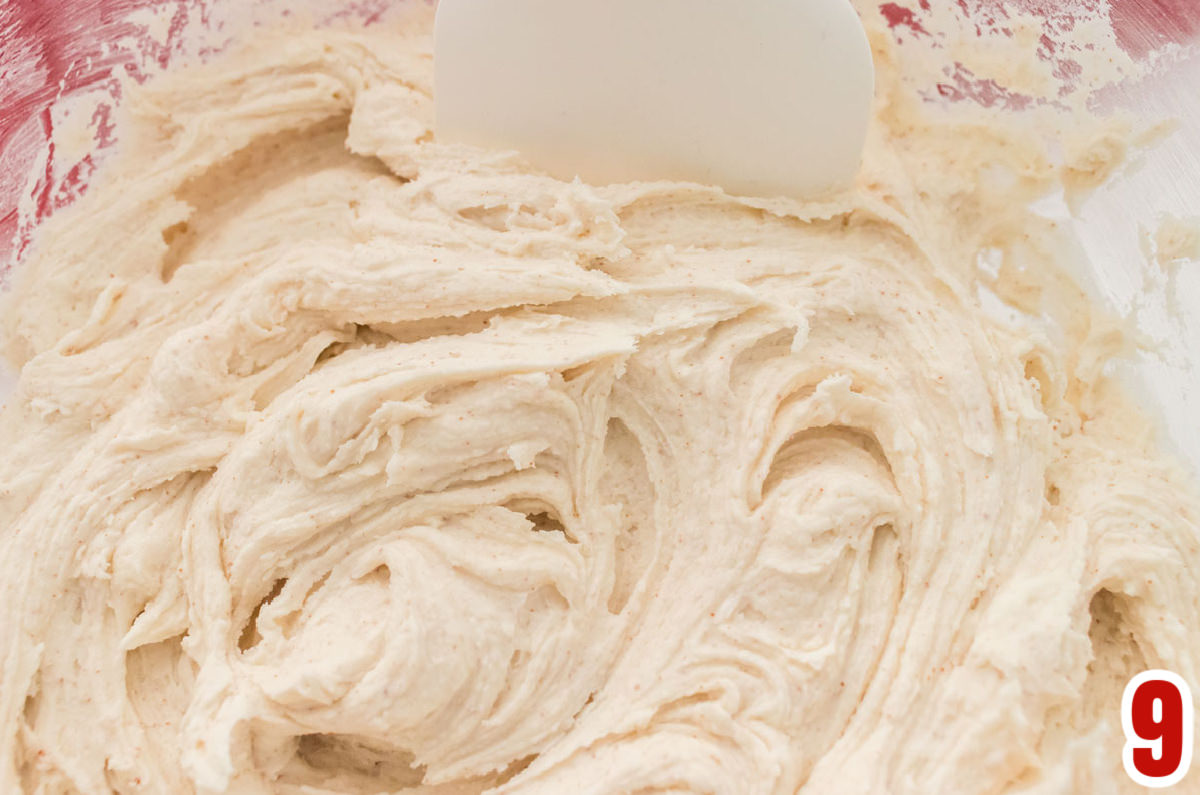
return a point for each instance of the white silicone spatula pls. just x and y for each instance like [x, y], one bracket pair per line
[761, 97]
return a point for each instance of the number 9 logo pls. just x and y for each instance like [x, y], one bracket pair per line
[1158, 718]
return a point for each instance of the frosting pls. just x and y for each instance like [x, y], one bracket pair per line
[349, 461]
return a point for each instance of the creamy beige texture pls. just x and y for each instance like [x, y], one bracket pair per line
[347, 461]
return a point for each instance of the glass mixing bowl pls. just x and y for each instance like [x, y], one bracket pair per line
[61, 62]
